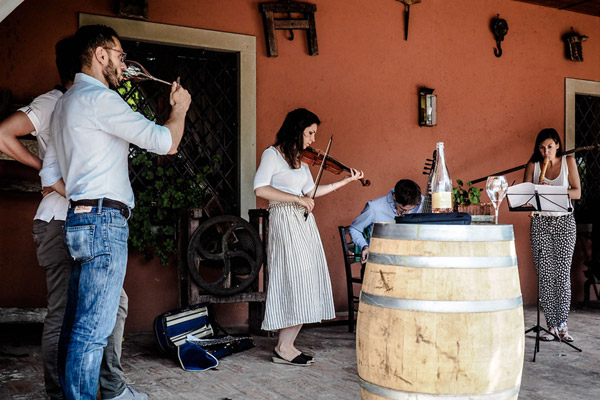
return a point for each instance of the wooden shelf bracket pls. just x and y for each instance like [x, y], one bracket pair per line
[306, 22]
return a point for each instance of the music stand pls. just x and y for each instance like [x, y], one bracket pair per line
[530, 197]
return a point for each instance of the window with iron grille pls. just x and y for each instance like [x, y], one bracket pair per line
[587, 133]
[210, 144]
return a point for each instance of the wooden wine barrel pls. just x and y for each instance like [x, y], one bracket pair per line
[440, 314]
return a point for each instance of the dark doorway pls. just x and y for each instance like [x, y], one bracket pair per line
[587, 133]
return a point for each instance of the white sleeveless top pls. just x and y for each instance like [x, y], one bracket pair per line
[561, 180]
[275, 171]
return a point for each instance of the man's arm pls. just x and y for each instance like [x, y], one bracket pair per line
[16, 125]
[50, 173]
[180, 101]
[358, 226]
[58, 187]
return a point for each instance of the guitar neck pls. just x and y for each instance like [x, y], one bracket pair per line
[426, 207]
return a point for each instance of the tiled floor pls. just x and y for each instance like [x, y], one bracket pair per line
[251, 375]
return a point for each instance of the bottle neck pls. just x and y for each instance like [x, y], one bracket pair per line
[440, 153]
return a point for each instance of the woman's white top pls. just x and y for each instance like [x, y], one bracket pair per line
[561, 180]
[276, 172]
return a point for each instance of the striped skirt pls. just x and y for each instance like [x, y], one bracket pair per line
[299, 289]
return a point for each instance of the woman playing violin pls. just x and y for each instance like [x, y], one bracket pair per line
[299, 289]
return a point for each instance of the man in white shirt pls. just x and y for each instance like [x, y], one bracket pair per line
[48, 225]
[92, 127]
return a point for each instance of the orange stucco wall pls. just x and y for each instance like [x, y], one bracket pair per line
[363, 85]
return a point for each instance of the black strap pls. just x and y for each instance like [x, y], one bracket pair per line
[61, 88]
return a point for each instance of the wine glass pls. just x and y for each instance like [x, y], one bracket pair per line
[496, 187]
[560, 333]
[136, 72]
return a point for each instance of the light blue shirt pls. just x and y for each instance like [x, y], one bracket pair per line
[92, 127]
[381, 209]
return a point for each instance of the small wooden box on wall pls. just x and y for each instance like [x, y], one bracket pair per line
[306, 22]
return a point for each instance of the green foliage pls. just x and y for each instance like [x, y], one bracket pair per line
[134, 97]
[467, 196]
[159, 202]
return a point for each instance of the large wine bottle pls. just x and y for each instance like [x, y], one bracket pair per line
[441, 183]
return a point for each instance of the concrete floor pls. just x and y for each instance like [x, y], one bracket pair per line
[251, 375]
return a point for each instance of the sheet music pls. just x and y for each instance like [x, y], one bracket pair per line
[552, 198]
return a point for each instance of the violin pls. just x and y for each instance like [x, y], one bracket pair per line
[315, 157]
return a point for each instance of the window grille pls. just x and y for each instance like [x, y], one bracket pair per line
[210, 144]
[587, 128]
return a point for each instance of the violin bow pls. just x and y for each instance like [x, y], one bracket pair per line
[320, 174]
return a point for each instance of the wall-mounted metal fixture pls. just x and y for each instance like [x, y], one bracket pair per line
[573, 48]
[499, 29]
[137, 9]
[307, 23]
[427, 107]
[407, 4]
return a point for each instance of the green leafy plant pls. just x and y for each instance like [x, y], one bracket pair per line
[465, 196]
[159, 202]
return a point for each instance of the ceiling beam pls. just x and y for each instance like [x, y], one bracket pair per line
[589, 7]
[7, 6]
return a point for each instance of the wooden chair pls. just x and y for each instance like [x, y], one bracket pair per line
[351, 258]
[589, 240]
[591, 274]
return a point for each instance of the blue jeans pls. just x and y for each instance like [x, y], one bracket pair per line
[97, 240]
[52, 254]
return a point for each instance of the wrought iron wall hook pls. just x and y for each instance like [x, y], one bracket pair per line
[407, 4]
[291, 32]
[499, 29]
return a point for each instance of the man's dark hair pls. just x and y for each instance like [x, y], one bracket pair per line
[407, 193]
[290, 135]
[67, 62]
[88, 38]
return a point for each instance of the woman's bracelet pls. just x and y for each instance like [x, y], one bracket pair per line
[333, 187]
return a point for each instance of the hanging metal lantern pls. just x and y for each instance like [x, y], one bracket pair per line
[573, 48]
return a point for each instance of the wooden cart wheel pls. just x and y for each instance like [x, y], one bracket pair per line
[224, 255]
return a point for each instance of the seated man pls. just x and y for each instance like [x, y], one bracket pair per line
[405, 198]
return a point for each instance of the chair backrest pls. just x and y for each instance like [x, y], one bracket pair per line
[350, 257]
[348, 247]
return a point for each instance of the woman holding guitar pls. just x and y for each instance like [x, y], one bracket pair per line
[299, 289]
[553, 234]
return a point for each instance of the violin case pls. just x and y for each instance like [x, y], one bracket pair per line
[189, 334]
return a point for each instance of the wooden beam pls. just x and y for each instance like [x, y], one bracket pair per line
[25, 315]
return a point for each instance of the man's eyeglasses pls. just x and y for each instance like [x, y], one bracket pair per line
[401, 210]
[123, 54]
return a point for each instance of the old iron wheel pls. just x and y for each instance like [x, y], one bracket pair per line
[216, 243]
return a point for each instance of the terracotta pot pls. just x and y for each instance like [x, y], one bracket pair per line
[476, 209]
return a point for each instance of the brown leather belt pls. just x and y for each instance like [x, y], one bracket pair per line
[106, 203]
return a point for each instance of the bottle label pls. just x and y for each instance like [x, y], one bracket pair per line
[441, 200]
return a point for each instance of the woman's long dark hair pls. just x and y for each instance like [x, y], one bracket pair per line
[289, 137]
[548, 133]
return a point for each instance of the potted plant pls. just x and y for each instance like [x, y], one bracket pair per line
[467, 199]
